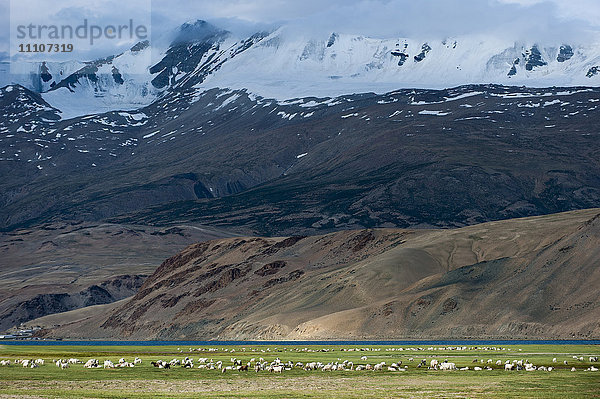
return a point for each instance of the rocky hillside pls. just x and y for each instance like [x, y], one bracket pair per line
[108, 291]
[523, 278]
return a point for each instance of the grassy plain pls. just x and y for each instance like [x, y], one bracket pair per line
[146, 381]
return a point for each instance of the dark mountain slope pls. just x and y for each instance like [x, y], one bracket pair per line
[409, 158]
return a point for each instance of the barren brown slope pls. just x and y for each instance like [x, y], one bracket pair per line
[521, 278]
[61, 266]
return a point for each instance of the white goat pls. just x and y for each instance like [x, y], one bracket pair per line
[447, 366]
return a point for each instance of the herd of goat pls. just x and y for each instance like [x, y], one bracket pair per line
[279, 366]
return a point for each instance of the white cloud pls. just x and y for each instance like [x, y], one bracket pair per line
[529, 20]
[519, 19]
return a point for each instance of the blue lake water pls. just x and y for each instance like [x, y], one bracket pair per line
[305, 343]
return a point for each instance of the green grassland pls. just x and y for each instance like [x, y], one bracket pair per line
[146, 381]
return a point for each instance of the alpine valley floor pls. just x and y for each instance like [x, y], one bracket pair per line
[146, 381]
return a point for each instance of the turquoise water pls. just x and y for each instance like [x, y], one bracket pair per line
[296, 343]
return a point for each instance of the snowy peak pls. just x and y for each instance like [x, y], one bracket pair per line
[197, 32]
[199, 50]
[47, 76]
[193, 44]
[116, 82]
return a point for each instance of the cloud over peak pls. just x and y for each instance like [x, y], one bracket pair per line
[531, 20]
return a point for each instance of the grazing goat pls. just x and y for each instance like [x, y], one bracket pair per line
[161, 364]
[447, 366]
[379, 366]
[276, 369]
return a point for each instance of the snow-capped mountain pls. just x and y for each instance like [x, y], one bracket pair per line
[282, 64]
[116, 82]
[79, 88]
[198, 51]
